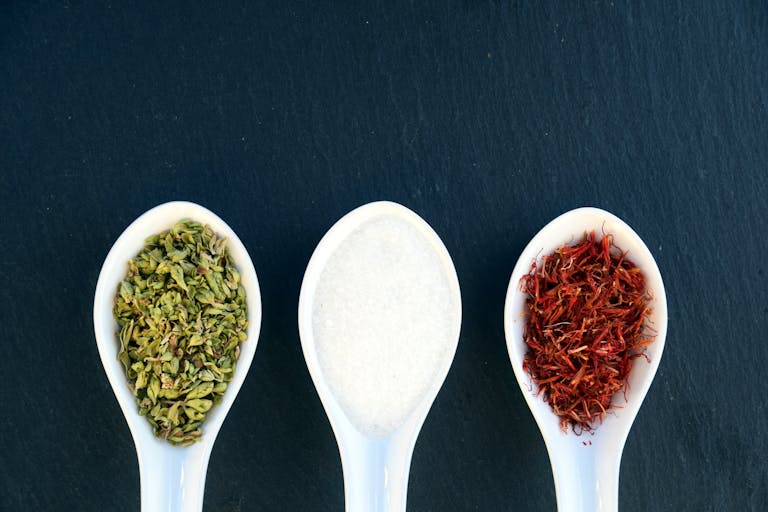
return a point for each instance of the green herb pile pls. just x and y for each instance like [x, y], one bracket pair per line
[182, 316]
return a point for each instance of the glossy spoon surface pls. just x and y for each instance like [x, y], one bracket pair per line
[376, 443]
[586, 467]
[172, 477]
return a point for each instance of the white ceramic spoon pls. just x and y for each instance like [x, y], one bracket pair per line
[586, 467]
[172, 477]
[375, 467]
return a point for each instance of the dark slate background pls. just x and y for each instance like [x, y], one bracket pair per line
[488, 118]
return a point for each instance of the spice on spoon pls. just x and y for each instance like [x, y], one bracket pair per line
[585, 324]
[182, 316]
[383, 321]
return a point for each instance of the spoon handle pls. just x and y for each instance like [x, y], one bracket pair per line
[376, 475]
[587, 484]
[173, 480]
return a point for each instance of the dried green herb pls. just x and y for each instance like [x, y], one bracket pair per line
[182, 316]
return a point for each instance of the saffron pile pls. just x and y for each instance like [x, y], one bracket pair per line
[586, 313]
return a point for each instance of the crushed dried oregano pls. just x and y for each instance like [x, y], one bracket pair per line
[182, 316]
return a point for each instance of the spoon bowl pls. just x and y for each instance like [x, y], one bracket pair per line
[172, 477]
[375, 466]
[586, 467]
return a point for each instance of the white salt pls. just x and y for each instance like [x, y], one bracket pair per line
[384, 322]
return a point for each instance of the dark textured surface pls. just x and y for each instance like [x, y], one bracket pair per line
[486, 118]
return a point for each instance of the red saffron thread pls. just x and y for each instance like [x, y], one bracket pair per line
[586, 316]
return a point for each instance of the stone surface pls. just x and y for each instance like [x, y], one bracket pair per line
[488, 118]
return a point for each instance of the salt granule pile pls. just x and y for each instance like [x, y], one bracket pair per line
[382, 322]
